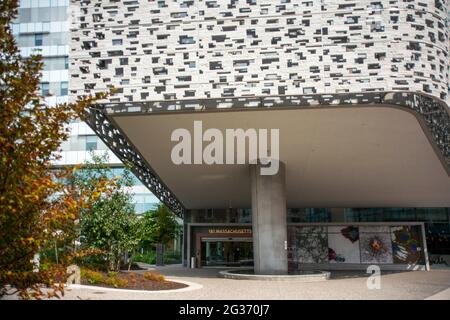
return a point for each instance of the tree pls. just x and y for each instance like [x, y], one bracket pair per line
[34, 203]
[110, 224]
[159, 226]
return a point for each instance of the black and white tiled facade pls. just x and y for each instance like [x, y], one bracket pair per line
[186, 55]
[153, 50]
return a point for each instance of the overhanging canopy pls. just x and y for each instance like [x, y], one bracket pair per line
[348, 157]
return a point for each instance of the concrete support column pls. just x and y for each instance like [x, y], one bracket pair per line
[269, 221]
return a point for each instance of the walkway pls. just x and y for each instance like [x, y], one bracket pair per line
[343, 285]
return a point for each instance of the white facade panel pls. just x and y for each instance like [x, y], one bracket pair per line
[209, 49]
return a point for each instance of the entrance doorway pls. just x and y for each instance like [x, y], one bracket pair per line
[232, 252]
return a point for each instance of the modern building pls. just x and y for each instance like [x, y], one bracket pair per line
[357, 89]
[44, 25]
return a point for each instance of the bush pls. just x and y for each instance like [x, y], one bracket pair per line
[92, 262]
[153, 276]
[95, 277]
[116, 282]
[91, 276]
[170, 257]
[149, 258]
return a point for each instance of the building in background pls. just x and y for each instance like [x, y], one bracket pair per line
[44, 25]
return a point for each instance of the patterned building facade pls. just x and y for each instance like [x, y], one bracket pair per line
[185, 49]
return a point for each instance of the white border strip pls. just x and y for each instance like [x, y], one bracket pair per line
[191, 286]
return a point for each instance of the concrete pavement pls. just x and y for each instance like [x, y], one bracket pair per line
[342, 285]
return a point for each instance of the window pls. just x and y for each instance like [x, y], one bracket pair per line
[186, 40]
[66, 63]
[45, 89]
[91, 143]
[219, 38]
[64, 89]
[103, 64]
[117, 42]
[119, 71]
[38, 39]
[309, 90]
[178, 14]
[55, 63]
[123, 61]
[215, 65]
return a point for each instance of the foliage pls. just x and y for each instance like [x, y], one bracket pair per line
[150, 257]
[159, 226]
[171, 257]
[91, 276]
[115, 281]
[111, 279]
[119, 279]
[36, 208]
[110, 224]
[153, 276]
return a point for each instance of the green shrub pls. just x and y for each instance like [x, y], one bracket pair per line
[91, 276]
[153, 276]
[149, 258]
[170, 257]
[116, 282]
[112, 279]
[92, 262]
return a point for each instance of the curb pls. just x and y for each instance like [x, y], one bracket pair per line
[191, 286]
[233, 274]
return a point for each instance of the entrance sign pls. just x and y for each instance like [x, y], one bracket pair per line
[230, 230]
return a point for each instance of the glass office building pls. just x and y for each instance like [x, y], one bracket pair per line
[44, 25]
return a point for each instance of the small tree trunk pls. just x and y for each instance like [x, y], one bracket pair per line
[56, 252]
[118, 264]
[129, 261]
[111, 261]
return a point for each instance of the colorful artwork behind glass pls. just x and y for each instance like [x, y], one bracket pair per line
[376, 244]
[368, 244]
[407, 244]
[310, 244]
[343, 244]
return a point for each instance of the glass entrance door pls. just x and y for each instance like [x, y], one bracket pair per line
[227, 252]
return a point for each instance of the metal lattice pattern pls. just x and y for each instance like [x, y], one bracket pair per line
[128, 154]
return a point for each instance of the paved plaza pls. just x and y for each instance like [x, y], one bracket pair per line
[433, 284]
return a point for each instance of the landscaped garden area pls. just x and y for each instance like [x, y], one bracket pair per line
[128, 280]
[52, 218]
